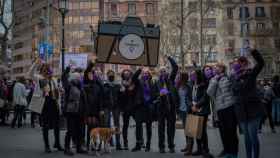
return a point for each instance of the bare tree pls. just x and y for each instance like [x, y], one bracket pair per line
[6, 24]
[181, 32]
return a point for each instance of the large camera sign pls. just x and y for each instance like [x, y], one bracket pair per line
[131, 46]
[129, 42]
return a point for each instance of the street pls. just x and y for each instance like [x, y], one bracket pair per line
[27, 142]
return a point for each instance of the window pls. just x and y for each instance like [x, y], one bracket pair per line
[245, 28]
[114, 9]
[275, 12]
[75, 5]
[275, 26]
[75, 20]
[18, 45]
[231, 44]
[260, 26]
[230, 13]
[131, 9]
[244, 12]
[149, 7]
[209, 23]
[260, 12]
[212, 56]
[230, 29]
[211, 40]
[193, 6]
[277, 43]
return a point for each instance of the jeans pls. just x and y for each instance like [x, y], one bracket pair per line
[268, 107]
[250, 131]
[183, 117]
[18, 114]
[276, 110]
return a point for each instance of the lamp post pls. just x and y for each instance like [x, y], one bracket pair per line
[63, 9]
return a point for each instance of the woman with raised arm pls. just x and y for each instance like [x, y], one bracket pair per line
[46, 86]
[249, 108]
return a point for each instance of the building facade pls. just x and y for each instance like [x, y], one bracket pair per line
[254, 23]
[38, 21]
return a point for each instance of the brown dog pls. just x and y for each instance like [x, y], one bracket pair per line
[104, 135]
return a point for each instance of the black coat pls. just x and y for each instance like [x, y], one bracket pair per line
[170, 102]
[111, 95]
[131, 100]
[202, 99]
[93, 95]
[249, 105]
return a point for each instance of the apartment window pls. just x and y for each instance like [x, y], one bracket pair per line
[244, 12]
[76, 19]
[114, 9]
[149, 7]
[230, 13]
[230, 29]
[245, 28]
[260, 26]
[275, 25]
[192, 6]
[75, 5]
[131, 9]
[211, 40]
[275, 12]
[85, 5]
[212, 56]
[260, 12]
[231, 44]
[277, 43]
[209, 23]
[18, 45]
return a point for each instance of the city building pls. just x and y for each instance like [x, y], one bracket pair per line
[36, 22]
[254, 23]
[39, 21]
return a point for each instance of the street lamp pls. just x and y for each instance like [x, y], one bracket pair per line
[63, 9]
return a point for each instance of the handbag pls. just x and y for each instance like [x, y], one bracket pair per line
[37, 103]
[194, 126]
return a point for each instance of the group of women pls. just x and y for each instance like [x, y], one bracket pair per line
[89, 102]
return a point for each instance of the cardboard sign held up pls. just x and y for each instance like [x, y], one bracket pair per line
[128, 43]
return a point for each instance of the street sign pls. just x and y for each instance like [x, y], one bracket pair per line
[45, 48]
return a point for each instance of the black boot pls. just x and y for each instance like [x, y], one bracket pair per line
[57, 140]
[125, 146]
[119, 147]
[58, 147]
[46, 140]
[148, 147]
[68, 152]
[137, 147]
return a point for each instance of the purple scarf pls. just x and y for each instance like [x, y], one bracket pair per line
[147, 92]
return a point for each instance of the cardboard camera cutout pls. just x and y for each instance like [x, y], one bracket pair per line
[129, 43]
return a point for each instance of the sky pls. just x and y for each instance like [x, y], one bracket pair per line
[7, 15]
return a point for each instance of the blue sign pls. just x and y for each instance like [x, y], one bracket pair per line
[45, 48]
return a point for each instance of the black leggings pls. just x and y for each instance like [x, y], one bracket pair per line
[18, 115]
[269, 116]
[228, 130]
